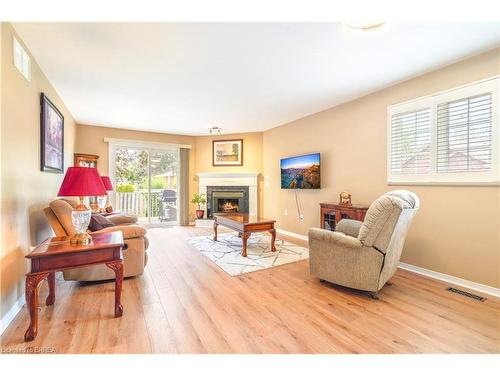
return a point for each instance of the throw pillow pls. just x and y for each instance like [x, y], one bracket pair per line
[98, 222]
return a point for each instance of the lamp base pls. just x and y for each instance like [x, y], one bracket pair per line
[80, 239]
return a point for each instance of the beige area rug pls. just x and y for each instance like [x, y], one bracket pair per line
[226, 252]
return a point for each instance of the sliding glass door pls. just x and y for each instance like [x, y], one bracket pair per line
[145, 181]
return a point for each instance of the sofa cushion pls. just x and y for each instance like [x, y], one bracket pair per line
[98, 222]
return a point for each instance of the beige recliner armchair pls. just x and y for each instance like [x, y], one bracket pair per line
[134, 257]
[364, 255]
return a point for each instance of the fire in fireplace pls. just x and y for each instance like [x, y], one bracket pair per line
[227, 199]
[228, 205]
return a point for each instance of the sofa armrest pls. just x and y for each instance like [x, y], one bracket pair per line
[128, 231]
[349, 227]
[121, 219]
[337, 239]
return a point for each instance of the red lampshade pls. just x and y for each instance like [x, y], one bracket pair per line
[107, 183]
[81, 182]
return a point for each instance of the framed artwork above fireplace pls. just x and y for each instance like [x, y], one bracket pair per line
[227, 152]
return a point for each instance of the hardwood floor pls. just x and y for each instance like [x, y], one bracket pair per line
[185, 304]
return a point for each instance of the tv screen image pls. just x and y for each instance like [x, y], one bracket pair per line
[301, 172]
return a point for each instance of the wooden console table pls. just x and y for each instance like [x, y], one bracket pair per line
[332, 213]
[57, 254]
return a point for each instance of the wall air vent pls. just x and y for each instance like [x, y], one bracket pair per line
[466, 294]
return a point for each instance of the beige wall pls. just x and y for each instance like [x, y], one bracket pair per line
[90, 140]
[456, 231]
[25, 189]
[252, 158]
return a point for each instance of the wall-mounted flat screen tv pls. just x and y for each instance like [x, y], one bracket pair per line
[301, 172]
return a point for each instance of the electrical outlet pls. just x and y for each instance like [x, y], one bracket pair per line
[286, 212]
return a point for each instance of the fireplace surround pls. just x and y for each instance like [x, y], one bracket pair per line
[230, 182]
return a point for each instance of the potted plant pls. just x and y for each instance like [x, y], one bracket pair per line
[199, 199]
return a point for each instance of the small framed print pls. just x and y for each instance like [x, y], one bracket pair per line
[227, 152]
[85, 160]
[51, 137]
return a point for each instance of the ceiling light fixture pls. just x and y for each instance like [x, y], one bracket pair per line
[215, 130]
[364, 25]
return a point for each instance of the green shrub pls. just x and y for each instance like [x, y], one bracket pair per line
[158, 183]
[125, 188]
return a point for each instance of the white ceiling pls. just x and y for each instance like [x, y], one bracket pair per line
[186, 77]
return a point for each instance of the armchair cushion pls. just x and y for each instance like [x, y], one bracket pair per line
[349, 227]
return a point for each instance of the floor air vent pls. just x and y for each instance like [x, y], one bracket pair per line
[466, 294]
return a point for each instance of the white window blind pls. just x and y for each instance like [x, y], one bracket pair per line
[410, 142]
[451, 137]
[464, 134]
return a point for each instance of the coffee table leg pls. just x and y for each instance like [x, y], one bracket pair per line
[244, 238]
[118, 268]
[51, 298]
[273, 238]
[215, 230]
[32, 284]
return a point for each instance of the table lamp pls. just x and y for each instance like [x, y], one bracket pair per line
[81, 182]
[102, 201]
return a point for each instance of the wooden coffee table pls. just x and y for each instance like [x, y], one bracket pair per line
[57, 254]
[245, 225]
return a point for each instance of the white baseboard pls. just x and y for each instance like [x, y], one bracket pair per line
[11, 314]
[486, 289]
[292, 234]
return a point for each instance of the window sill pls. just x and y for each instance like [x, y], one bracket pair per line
[443, 183]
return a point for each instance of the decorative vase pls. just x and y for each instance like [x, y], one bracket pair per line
[200, 214]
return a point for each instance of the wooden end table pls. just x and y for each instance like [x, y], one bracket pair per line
[57, 254]
[245, 225]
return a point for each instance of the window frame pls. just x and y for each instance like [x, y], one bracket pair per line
[482, 178]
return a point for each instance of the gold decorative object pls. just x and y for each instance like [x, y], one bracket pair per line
[345, 198]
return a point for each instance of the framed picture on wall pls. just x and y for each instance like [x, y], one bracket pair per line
[227, 152]
[51, 137]
[85, 160]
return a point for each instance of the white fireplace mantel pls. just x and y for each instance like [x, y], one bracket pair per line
[231, 179]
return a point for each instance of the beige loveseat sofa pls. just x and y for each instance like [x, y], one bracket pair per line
[135, 256]
[364, 255]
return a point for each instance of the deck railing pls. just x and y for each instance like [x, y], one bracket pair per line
[136, 203]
